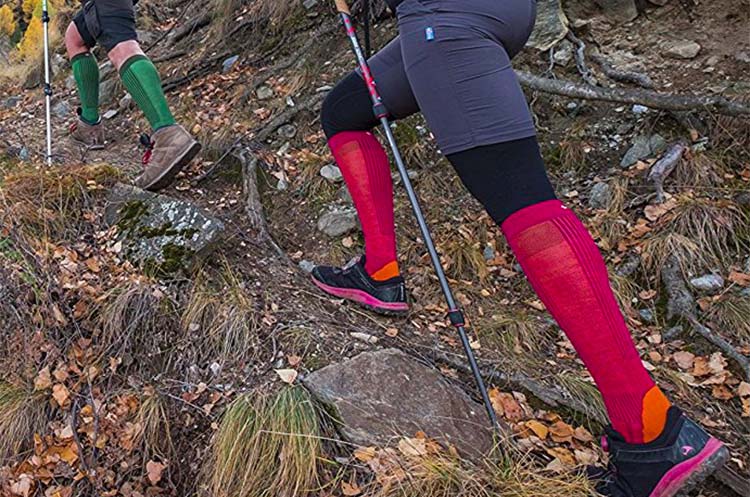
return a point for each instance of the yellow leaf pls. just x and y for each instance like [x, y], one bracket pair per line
[538, 428]
[365, 454]
[561, 432]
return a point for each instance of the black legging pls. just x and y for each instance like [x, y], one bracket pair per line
[504, 177]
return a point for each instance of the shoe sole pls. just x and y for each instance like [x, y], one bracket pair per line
[683, 478]
[168, 176]
[364, 299]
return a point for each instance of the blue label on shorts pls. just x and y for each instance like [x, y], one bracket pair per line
[429, 34]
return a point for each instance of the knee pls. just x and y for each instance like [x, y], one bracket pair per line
[124, 51]
[74, 43]
[348, 107]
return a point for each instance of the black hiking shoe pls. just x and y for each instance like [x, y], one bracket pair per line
[353, 283]
[671, 466]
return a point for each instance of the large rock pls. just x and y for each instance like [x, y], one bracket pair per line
[380, 396]
[551, 25]
[160, 232]
[338, 222]
[682, 49]
[619, 10]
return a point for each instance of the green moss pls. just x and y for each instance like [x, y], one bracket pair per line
[131, 215]
[174, 259]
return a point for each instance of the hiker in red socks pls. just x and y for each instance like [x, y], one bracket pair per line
[451, 62]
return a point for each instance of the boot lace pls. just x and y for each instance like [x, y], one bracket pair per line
[149, 145]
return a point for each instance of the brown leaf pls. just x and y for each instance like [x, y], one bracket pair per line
[742, 279]
[744, 389]
[583, 435]
[350, 489]
[721, 392]
[563, 454]
[93, 265]
[365, 454]
[61, 394]
[294, 360]
[700, 367]
[287, 375]
[43, 380]
[505, 405]
[154, 470]
[684, 359]
[391, 332]
[561, 432]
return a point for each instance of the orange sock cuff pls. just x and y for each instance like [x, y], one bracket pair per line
[387, 272]
[654, 416]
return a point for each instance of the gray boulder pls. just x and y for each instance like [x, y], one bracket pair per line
[619, 10]
[338, 222]
[643, 147]
[160, 232]
[551, 25]
[383, 395]
[682, 49]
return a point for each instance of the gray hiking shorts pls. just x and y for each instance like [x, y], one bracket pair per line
[452, 62]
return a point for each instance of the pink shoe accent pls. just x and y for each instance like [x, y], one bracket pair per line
[361, 297]
[673, 480]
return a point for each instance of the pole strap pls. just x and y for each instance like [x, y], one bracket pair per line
[457, 318]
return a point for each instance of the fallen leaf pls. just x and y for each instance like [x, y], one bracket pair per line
[61, 394]
[412, 447]
[505, 405]
[350, 489]
[563, 454]
[391, 332]
[740, 279]
[700, 367]
[154, 470]
[365, 454]
[684, 359]
[287, 375]
[583, 435]
[721, 392]
[561, 432]
[717, 363]
[538, 428]
[294, 360]
[43, 380]
[744, 389]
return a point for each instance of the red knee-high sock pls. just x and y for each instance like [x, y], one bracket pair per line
[367, 173]
[566, 269]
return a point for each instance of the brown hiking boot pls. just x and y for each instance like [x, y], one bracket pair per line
[90, 135]
[172, 148]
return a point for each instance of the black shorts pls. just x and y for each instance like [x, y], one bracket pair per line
[107, 22]
[452, 62]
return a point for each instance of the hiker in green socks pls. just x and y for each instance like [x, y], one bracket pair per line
[111, 23]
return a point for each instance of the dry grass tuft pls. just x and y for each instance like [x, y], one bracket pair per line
[22, 414]
[154, 427]
[517, 333]
[225, 315]
[732, 315]
[700, 232]
[136, 318]
[586, 393]
[442, 475]
[50, 200]
[267, 446]
[626, 291]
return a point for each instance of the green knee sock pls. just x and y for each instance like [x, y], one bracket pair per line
[86, 74]
[142, 80]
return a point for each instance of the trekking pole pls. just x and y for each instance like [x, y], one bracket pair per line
[47, 84]
[455, 314]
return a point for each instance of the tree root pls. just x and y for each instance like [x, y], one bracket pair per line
[648, 98]
[632, 77]
[682, 305]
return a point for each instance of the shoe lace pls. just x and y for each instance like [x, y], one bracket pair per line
[149, 145]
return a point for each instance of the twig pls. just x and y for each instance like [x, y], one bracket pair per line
[649, 98]
[580, 56]
[722, 344]
[664, 167]
[609, 70]
[171, 28]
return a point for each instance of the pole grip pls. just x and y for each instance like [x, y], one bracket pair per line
[343, 7]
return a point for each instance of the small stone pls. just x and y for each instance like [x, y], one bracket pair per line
[682, 49]
[61, 109]
[108, 91]
[743, 199]
[338, 222]
[647, 315]
[11, 102]
[364, 337]
[264, 93]
[24, 154]
[745, 292]
[708, 283]
[287, 131]
[306, 266]
[215, 368]
[229, 63]
[331, 173]
[563, 53]
[309, 4]
[600, 196]
[643, 147]
[672, 333]
[110, 114]
[126, 102]
[324, 89]
[282, 185]
[489, 253]
[639, 109]
[743, 57]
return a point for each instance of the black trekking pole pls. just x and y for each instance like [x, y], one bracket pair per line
[47, 83]
[455, 314]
